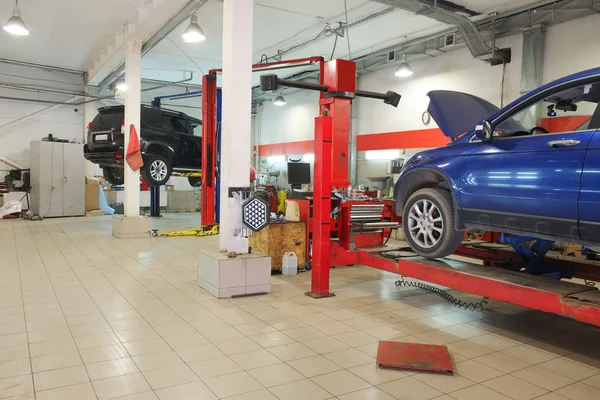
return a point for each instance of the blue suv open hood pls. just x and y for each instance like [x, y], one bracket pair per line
[458, 112]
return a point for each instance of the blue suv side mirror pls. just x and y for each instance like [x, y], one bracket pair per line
[484, 130]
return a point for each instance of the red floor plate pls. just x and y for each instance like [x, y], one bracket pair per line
[419, 357]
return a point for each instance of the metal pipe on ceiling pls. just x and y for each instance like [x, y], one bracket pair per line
[41, 66]
[190, 8]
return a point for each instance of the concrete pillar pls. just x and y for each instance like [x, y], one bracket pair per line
[89, 115]
[534, 40]
[237, 119]
[133, 79]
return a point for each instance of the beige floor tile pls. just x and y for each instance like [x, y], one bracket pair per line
[494, 342]
[104, 339]
[214, 367]
[221, 334]
[468, 349]
[356, 338]
[300, 390]
[81, 391]
[502, 362]
[478, 392]
[120, 386]
[209, 324]
[174, 329]
[304, 333]
[375, 375]
[475, 371]
[163, 359]
[340, 382]
[543, 378]
[325, 345]
[231, 385]
[170, 376]
[187, 391]
[255, 328]
[49, 334]
[515, 388]
[411, 327]
[292, 351]
[135, 335]
[593, 381]
[410, 389]
[239, 319]
[363, 322]
[340, 315]
[199, 353]
[579, 391]
[13, 368]
[262, 394]
[272, 339]
[111, 368]
[18, 386]
[129, 324]
[235, 346]
[45, 324]
[269, 315]
[528, 354]
[14, 353]
[120, 315]
[90, 329]
[52, 347]
[276, 374]
[164, 319]
[146, 346]
[140, 396]
[368, 394]
[437, 337]
[286, 323]
[349, 358]
[60, 377]
[85, 319]
[314, 318]
[255, 359]
[569, 369]
[185, 340]
[313, 366]
[385, 332]
[552, 396]
[56, 361]
[334, 328]
[103, 353]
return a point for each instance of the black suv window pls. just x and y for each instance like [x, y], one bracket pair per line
[152, 118]
[197, 127]
[177, 124]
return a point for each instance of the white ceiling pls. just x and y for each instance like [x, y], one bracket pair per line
[71, 33]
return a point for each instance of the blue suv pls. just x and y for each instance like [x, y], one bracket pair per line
[531, 168]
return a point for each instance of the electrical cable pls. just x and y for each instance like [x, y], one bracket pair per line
[334, 46]
[502, 84]
[185, 54]
[347, 29]
[476, 306]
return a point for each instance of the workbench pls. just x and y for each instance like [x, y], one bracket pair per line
[279, 238]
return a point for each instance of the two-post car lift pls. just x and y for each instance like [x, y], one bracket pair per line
[348, 232]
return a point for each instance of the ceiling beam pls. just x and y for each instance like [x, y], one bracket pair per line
[147, 19]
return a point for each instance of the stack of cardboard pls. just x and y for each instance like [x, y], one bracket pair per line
[92, 207]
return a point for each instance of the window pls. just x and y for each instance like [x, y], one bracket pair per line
[177, 124]
[382, 154]
[152, 118]
[566, 111]
[197, 127]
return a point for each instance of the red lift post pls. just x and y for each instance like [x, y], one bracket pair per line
[332, 130]
[209, 133]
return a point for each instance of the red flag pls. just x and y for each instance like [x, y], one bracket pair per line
[134, 154]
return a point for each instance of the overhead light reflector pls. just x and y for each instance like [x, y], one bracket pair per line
[193, 33]
[279, 101]
[15, 24]
[121, 86]
[404, 70]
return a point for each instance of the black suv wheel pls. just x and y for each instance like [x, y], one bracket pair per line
[114, 176]
[156, 170]
[428, 221]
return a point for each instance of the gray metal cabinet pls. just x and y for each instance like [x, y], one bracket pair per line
[57, 179]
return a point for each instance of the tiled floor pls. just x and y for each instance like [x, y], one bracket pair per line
[86, 316]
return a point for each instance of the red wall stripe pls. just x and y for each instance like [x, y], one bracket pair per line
[422, 138]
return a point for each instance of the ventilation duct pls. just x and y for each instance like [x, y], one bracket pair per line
[448, 13]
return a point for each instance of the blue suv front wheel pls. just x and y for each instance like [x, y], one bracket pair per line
[428, 221]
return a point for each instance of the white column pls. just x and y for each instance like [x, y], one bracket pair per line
[133, 79]
[89, 115]
[237, 120]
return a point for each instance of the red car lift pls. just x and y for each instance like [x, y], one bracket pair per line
[334, 218]
[208, 192]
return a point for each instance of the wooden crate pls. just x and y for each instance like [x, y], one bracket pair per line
[279, 238]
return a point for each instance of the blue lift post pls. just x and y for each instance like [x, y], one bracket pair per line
[155, 190]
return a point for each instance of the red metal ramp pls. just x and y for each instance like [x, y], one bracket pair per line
[579, 302]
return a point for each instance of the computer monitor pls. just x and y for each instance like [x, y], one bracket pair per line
[298, 173]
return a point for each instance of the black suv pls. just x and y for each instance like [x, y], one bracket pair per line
[169, 141]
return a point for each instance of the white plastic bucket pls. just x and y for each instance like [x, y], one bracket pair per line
[289, 264]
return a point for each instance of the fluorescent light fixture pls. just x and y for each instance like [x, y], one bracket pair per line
[308, 157]
[275, 159]
[279, 101]
[382, 154]
[15, 25]
[193, 33]
[404, 70]
[121, 86]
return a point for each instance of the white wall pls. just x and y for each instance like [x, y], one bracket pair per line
[60, 121]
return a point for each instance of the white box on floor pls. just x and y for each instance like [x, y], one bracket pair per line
[225, 277]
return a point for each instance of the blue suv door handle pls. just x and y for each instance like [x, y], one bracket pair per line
[563, 143]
